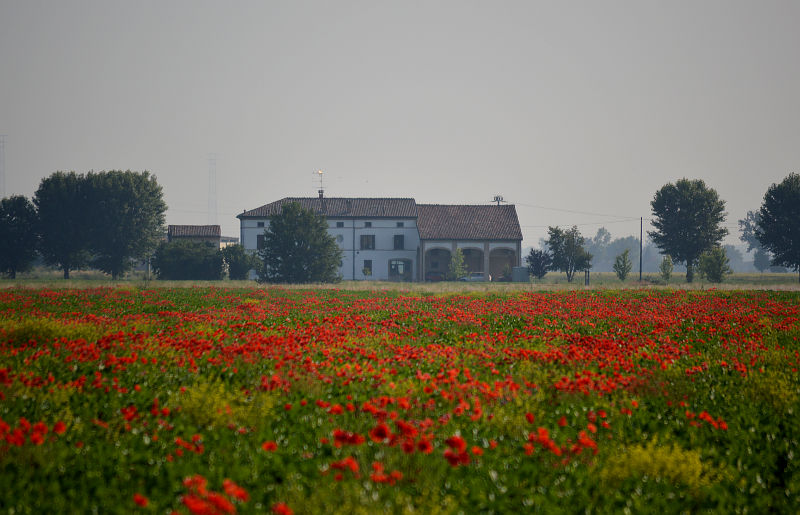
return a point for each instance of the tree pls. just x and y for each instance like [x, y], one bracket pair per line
[126, 213]
[665, 269]
[714, 265]
[623, 265]
[778, 231]
[186, 259]
[567, 250]
[599, 248]
[18, 220]
[237, 261]
[761, 260]
[456, 269]
[688, 218]
[539, 262]
[748, 226]
[298, 248]
[61, 203]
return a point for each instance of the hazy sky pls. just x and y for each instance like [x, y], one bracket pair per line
[559, 106]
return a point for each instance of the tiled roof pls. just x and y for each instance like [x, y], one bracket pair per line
[450, 222]
[342, 207]
[193, 231]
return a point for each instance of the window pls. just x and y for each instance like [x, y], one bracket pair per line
[259, 224]
[399, 224]
[398, 242]
[339, 224]
[259, 241]
[367, 270]
[397, 266]
[399, 269]
[367, 242]
[435, 265]
[367, 224]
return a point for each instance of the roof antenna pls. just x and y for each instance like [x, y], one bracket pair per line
[321, 190]
[498, 199]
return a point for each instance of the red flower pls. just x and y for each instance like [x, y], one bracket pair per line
[269, 446]
[59, 428]
[140, 499]
[530, 418]
[379, 433]
[424, 446]
[235, 491]
[281, 509]
[456, 443]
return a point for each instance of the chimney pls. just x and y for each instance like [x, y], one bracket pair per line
[321, 193]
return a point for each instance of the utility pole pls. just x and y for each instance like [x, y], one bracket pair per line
[641, 233]
[2, 165]
[212, 189]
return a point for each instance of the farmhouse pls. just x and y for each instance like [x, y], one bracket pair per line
[396, 239]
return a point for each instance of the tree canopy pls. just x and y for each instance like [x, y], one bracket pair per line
[17, 235]
[126, 210]
[688, 217]
[456, 269]
[186, 259]
[623, 265]
[714, 265]
[61, 202]
[778, 229]
[298, 248]
[539, 262]
[566, 248]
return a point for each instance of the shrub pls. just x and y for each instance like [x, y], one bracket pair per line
[185, 259]
[238, 261]
[714, 265]
[623, 265]
[665, 269]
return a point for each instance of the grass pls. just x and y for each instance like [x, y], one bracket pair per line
[47, 278]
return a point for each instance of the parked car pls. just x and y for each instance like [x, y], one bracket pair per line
[434, 276]
[473, 276]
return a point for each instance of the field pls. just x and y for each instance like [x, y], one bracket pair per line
[218, 399]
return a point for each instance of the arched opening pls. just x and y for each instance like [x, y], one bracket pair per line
[473, 260]
[501, 261]
[436, 263]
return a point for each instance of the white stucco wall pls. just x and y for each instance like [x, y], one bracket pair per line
[348, 238]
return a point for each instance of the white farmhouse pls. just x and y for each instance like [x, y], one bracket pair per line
[395, 239]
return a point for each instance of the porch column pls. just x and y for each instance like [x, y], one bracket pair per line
[486, 260]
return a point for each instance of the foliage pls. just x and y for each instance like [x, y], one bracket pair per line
[688, 217]
[623, 265]
[18, 224]
[566, 247]
[714, 265]
[298, 248]
[748, 227]
[61, 201]
[125, 214]
[665, 269]
[778, 229]
[761, 260]
[186, 259]
[275, 399]
[238, 262]
[668, 463]
[539, 262]
[456, 269]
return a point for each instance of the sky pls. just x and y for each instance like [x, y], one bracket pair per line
[576, 111]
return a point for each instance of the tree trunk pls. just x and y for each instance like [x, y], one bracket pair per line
[689, 272]
[12, 274]
[66, 272]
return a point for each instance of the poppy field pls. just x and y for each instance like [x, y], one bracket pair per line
[214, 400]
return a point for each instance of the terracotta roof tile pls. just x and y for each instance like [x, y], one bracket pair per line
[340, 207]
[193, 231]
[449, 222]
